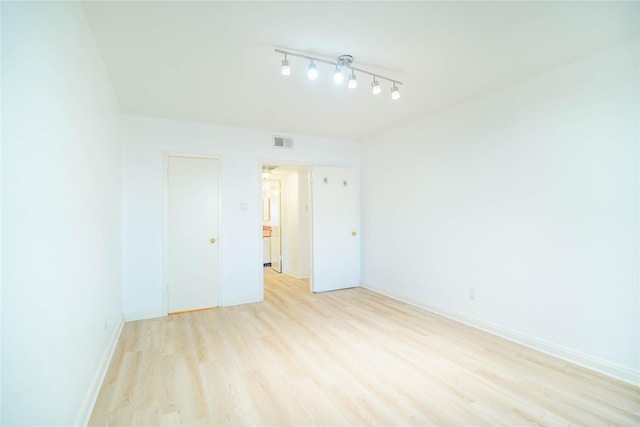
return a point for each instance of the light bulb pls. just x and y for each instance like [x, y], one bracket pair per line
[375, 87]
[395, 92]
[352, 81]
[338, 77]
[286, 69]
[312, 72]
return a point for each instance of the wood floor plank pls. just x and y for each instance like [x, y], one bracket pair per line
[349, 357]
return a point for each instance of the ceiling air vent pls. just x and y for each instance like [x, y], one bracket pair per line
[282, 142]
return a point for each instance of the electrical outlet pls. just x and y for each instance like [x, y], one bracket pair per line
[472, 294]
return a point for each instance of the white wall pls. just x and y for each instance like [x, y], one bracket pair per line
[529, 196]
[241, 152]
[1, 213]
[61, 214]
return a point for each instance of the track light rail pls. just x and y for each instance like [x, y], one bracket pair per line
[338, 64]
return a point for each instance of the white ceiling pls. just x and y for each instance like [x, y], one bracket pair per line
[215, 62]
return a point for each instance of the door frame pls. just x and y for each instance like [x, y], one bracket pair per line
[309, 166]
[165, 224]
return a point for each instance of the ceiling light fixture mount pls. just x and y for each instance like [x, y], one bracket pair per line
[343, 61]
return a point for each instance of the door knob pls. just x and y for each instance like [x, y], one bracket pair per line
[353, 233]
[212, 240]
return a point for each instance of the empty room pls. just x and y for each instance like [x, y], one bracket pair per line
[320, 213]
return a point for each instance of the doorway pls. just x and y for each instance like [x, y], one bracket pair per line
[286, 202]
[272, 223]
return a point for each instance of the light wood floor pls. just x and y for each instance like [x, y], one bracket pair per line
[349, 357]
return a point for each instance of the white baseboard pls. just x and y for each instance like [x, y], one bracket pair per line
[152, 314]
[92, 395]
[587, 361]
[142, 315]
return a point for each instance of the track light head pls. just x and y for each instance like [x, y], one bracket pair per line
[395, 92]
[352, 81]
[312, 71]
[285, 70]
[338, 77]
[375, 87]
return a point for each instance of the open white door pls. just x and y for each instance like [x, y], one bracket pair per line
[336, 243]
[276, 248]
[192, 230]
[276, 226]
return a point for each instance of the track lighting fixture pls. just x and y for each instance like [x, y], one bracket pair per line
[352, 81]
[338, 77]
[395, 92]
[375, 86]
[285, 70]
[342, 62]
[312, 71]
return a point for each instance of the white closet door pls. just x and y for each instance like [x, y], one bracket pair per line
[336, 243]
[192, 228]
